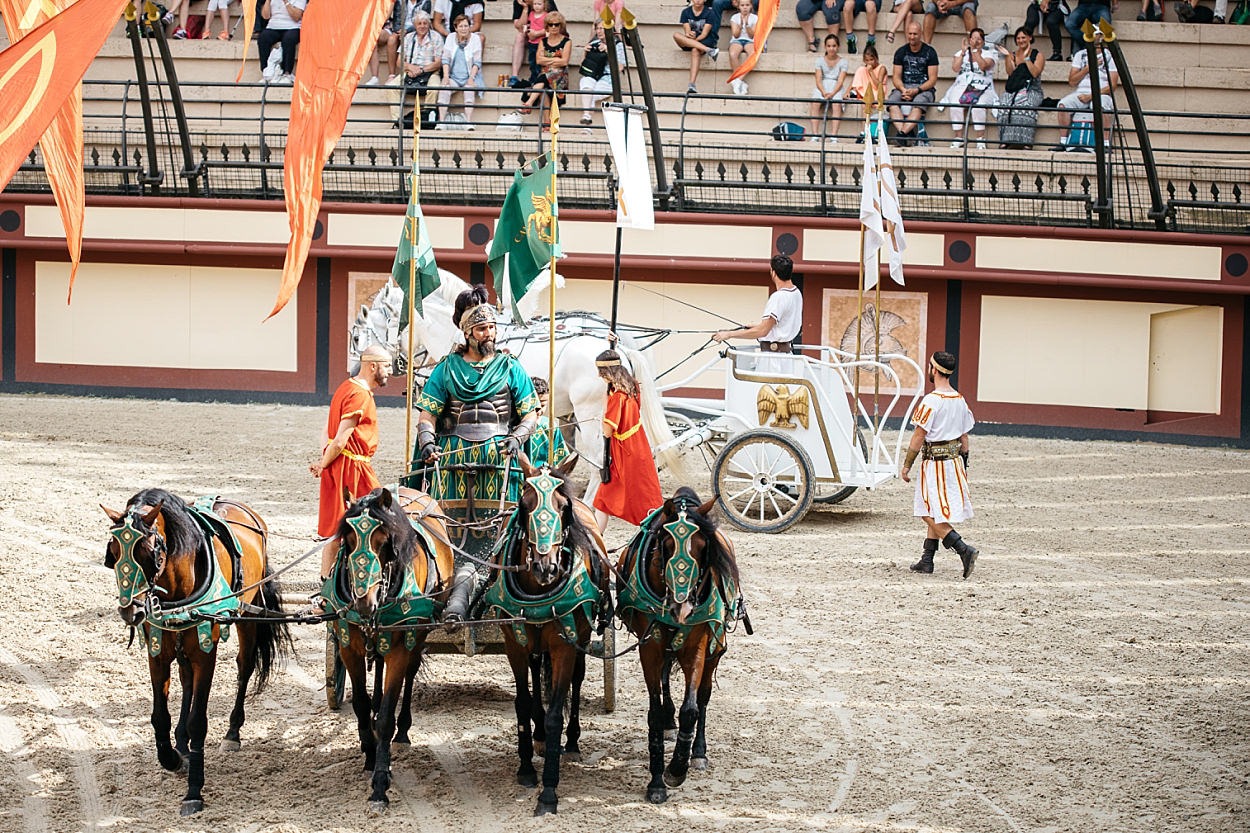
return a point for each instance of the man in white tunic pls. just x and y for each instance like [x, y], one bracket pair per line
[942, 421]
[779, 328]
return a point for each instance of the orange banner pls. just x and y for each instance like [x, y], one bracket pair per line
[61, 144]
[767, 17]
[336, 40]
[249, 21]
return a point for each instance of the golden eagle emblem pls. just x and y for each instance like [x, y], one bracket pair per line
[541, 219]
[782, 405]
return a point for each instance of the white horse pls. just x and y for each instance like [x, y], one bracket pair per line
[378, 324]
[579, 394]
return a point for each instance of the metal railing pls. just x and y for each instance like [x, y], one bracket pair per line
[719, 153]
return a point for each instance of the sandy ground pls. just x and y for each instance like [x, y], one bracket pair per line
[1091, 676]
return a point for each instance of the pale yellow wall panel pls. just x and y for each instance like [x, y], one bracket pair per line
[384, 230]
[146, 315]
[1186, 352]
[842, 246]
[1090, 257]
[178, 224]
[670, 240]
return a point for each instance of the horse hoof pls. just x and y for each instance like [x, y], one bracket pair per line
[672, 779]
[545, 809]
[377, 808]
[573, 755]
[699, 764]
[527, 779]
[190, 808]
[402, 741]
[657, 795]
[231, 746]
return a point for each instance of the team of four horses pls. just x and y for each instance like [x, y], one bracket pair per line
[188, 572]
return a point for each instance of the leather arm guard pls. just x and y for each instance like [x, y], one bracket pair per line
[426, 444]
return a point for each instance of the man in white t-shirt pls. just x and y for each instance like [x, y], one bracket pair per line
[942, 420]
[782, 323]
[1082, 97]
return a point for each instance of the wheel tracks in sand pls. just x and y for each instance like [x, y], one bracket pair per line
[34, 809]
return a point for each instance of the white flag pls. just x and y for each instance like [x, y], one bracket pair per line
[634, 207]
[870, 215]
[890, 212]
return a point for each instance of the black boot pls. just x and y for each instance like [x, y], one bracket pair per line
[925, 564]
[462, 587]
[967, 552]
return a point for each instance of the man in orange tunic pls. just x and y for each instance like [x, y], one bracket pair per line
[345, 466]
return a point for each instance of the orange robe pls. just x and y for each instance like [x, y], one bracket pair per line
[634, 489]
[352, 471]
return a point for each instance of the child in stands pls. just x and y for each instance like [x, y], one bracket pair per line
[222, 9]
[742, 25]
[832, 74]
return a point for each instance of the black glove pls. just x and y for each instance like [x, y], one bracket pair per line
[428, 448]
[511, 445]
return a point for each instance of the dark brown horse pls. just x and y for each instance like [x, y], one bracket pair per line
[678, 593]
[555, 580]
[177, 567]
[389, 583]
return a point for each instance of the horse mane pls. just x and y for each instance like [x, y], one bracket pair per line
[182, 533]
[718, 557]
[402, 538]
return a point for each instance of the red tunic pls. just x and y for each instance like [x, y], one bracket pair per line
[351, 471]
[634, 489]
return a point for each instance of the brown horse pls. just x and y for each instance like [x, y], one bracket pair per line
[390, 582]
[177, 567]
[553, 578]
[678, 593]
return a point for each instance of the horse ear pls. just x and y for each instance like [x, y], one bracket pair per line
[113, 514]
[707, 507]
[150, 518]
[527, 467]
[669, 509]
[566, 467]
[384, 499]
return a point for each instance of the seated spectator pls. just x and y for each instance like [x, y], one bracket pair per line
[742, 25]
[832, 75]
[179, 9]
[422, 55]
[1151, 10]
[935, 10]
[222, 7]
[529, 25]
[1081, 99]
[555, 51]
[596, 71]
[1091, 10]
[388, 40]
[903, 12]
[1188, 11]
[404, 13]
[282, 22]
[805, 10]
[446, 11]
[973, 88]
[719, 7]
[698, 36]
[462, 67]
[872, 75]
[1052, 13]
[1017, 115]
[850, 8]
[915, 79]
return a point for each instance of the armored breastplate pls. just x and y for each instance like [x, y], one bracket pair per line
[477, 421]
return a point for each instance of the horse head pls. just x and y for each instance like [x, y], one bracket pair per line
[376, 543]
[148, 542]
[688, 550]
[546, 511]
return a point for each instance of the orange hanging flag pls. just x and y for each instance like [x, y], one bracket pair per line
[767, 17]
[62, 143]
[249, 22]
[336, 40]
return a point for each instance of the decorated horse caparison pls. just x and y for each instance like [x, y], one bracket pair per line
[389, 584]
[553, 582]
[678, 593]
[183, 571]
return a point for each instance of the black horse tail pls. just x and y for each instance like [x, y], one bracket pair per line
[273, 639]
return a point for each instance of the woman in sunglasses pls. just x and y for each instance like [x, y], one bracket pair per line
[554, 52]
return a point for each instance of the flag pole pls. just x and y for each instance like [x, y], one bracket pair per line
[859, 296]
[415, 238]
[551, 290]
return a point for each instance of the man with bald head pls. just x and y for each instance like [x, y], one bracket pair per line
[345, 466]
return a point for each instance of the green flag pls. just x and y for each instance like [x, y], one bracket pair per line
[528, 232]
[427, 279]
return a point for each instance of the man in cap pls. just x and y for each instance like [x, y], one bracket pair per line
[942, 421]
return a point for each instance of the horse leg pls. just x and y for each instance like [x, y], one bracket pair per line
[670, 711]
[185, 682]
[573, 731]
[202, 669]
[692, 666]
[166, 756]
[391, 671]
[698, 753]
[562, 661]
[404, 723]
[651, 655]
[537, 716]
[246, 664]
[518, 659]
[354, 661]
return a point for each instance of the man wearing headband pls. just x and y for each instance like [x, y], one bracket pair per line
[779, 329]
[477, 408]
[942, 421]
[345, 466]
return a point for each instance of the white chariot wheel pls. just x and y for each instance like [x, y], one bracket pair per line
[764, 481]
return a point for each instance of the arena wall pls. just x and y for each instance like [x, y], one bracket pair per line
[1061, 330]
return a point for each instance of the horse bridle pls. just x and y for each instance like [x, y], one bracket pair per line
[545, 526]
[681, 569]
[132, 581]
[363, 562]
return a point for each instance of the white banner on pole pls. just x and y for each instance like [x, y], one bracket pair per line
[634, 206]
